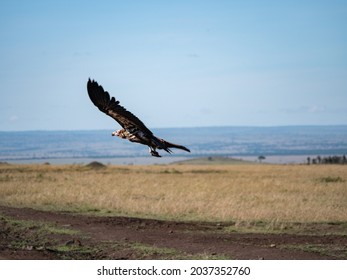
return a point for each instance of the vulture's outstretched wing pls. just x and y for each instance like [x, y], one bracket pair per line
[111, 107]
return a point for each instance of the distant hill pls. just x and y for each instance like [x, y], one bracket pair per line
[213, 161]
[204, 142]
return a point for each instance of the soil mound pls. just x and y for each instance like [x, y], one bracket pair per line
[96, 165]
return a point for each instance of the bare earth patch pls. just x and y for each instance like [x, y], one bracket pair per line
[31, 234]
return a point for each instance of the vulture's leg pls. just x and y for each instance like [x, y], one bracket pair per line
[153, 152]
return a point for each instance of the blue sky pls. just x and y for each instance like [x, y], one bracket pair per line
[173, 63]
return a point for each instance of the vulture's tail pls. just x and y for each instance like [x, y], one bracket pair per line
[172, 145]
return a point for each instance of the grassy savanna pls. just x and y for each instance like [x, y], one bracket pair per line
[270, 193]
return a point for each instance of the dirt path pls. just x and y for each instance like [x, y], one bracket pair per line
[133, 238]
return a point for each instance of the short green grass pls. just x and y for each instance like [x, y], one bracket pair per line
[279, 227]
[39, 227]
[329, 250]
[145, 251]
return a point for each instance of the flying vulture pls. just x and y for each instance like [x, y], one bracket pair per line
[133, 129]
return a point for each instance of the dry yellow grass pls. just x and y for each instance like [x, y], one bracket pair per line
[224, 193]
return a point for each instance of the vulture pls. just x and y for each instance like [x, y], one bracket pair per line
[133, 128]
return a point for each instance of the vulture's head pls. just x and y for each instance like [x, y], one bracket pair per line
[119, 133]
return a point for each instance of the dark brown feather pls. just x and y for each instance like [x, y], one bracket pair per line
[172, 145]
[111, 107]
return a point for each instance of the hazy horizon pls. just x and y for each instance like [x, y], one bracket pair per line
[284, 142]
[187, 127]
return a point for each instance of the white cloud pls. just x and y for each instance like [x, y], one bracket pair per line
[314, 109]
[311, 109]
[13, 118]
